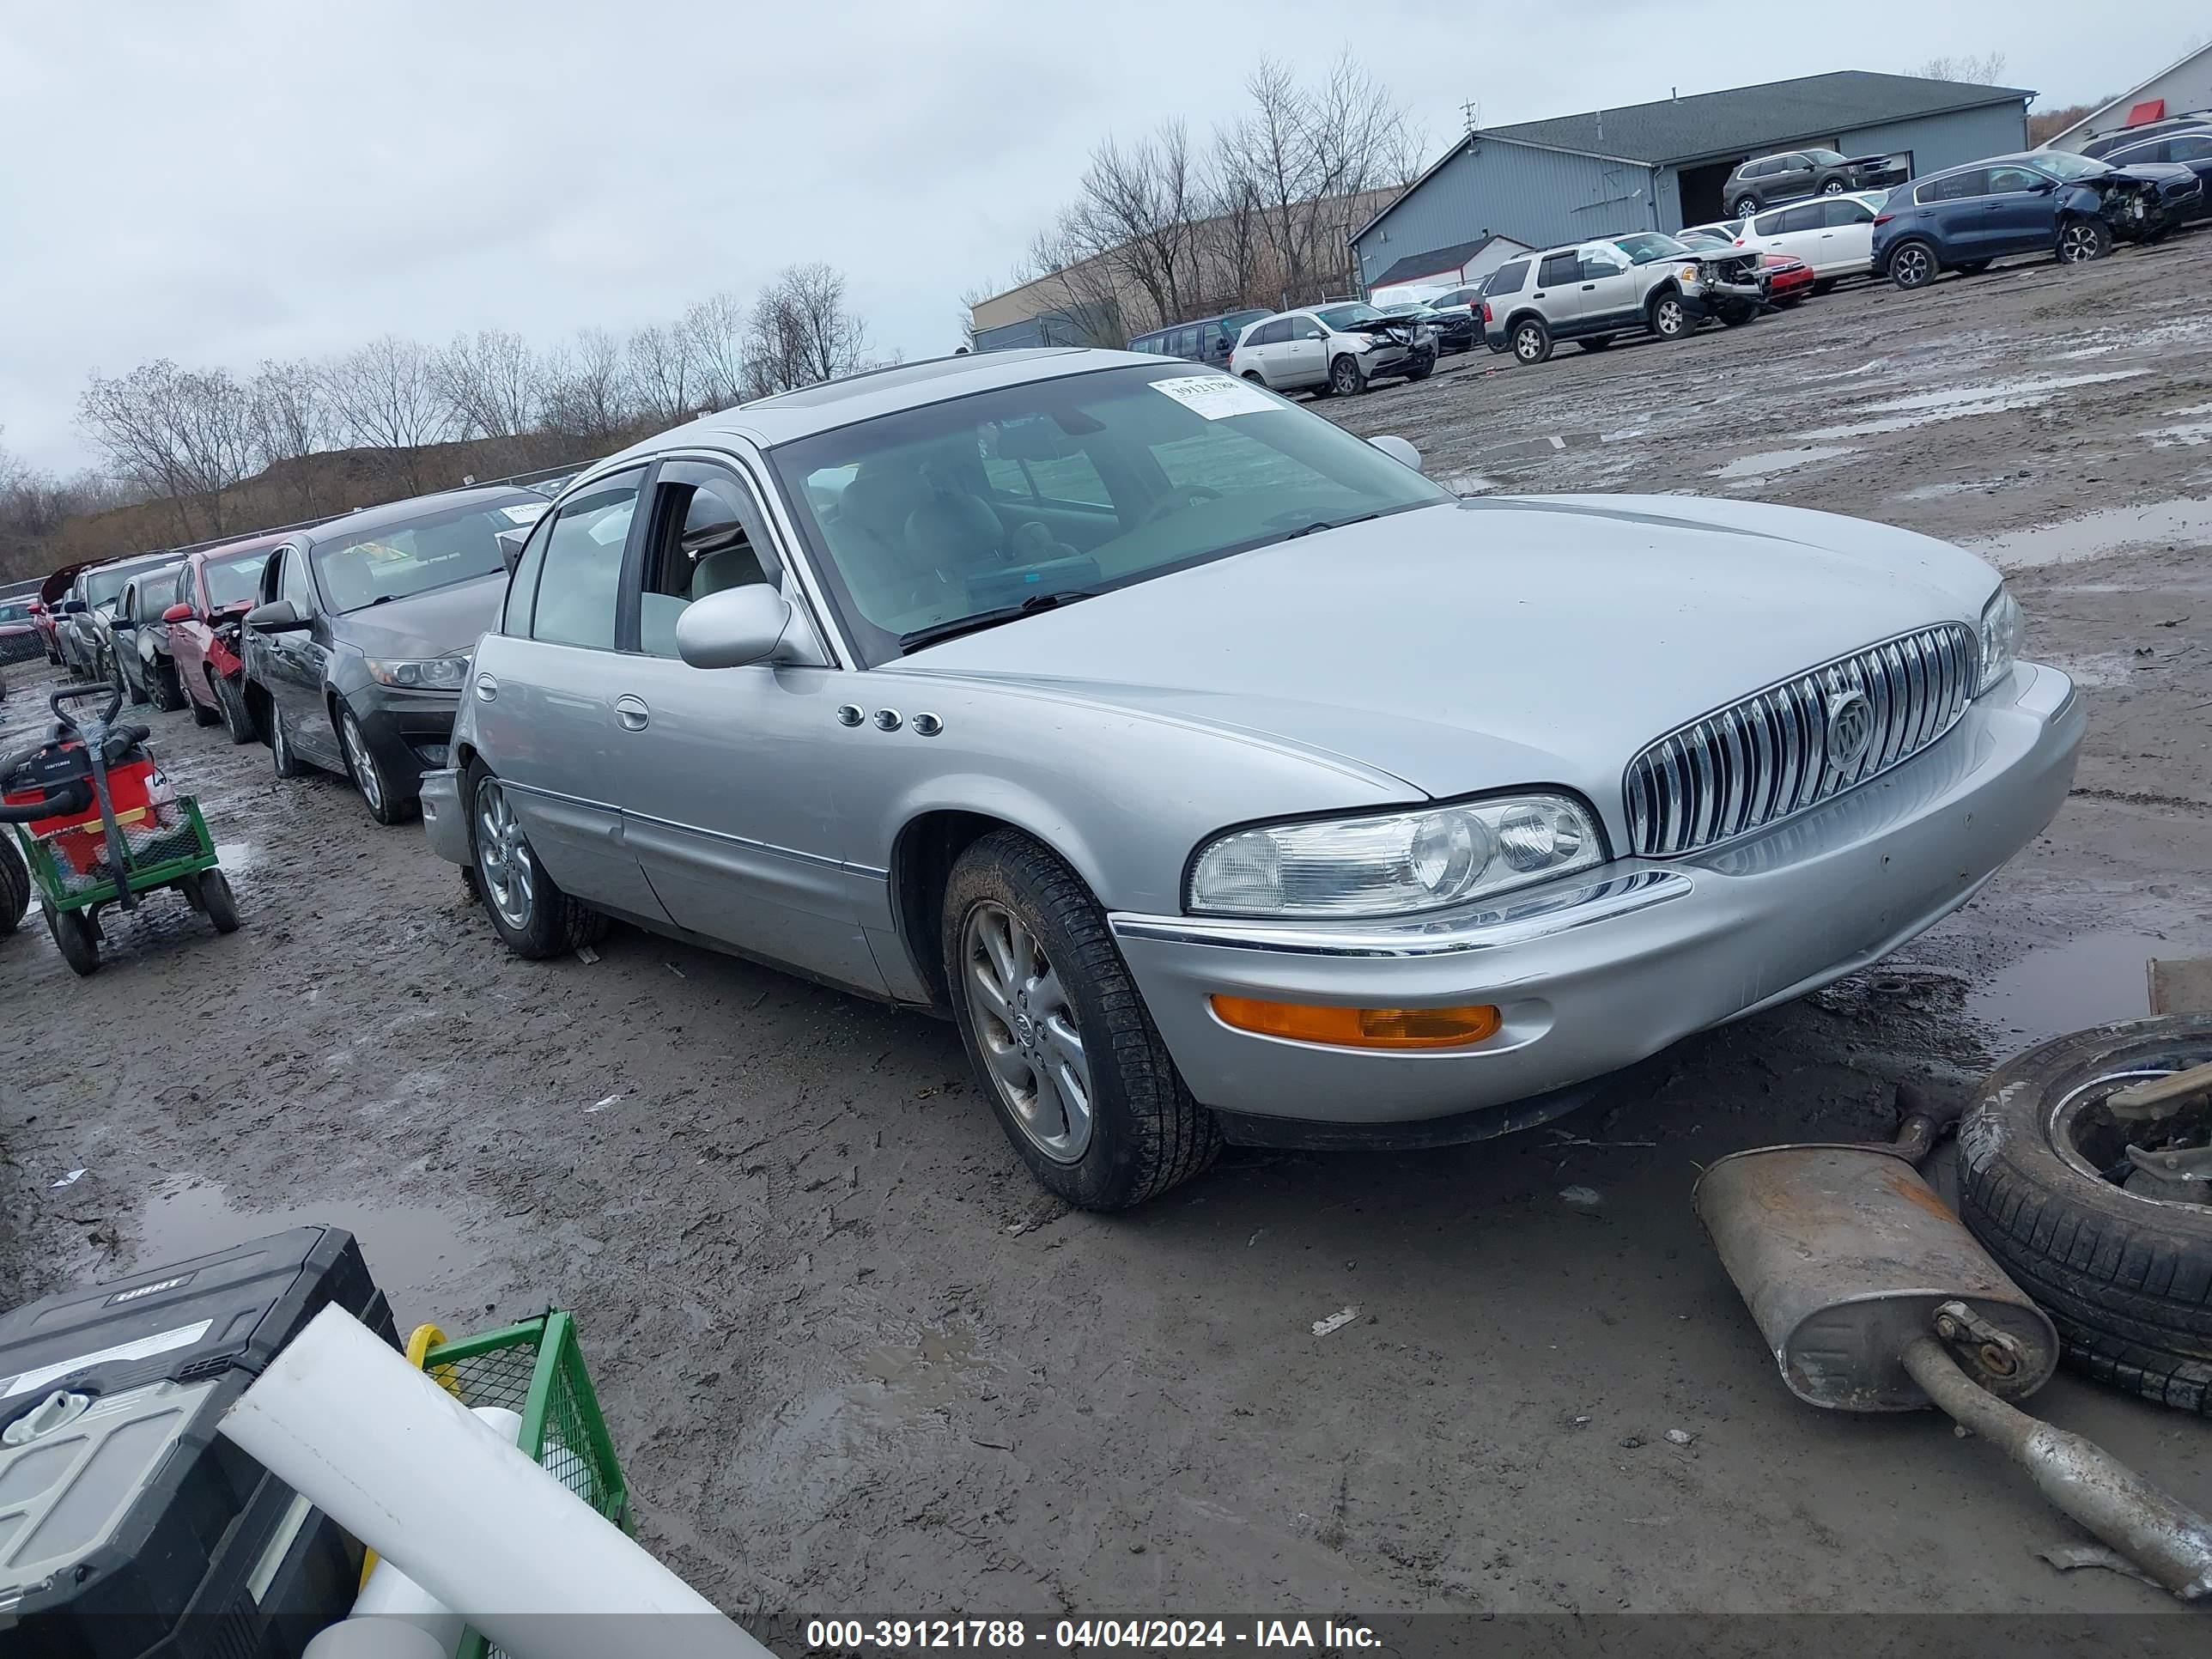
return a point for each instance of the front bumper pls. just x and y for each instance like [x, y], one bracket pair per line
[408, 732]
[1708, 299]
[442, 821]
[1597, 973]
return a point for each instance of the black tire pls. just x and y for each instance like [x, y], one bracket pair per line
[201, 714]
[1422, 369]
[1530, 341]
[1669, 319]
[2081, 239]
[536, 919]
[1595, 342]
[237, 718]
[218, 901]
[74, 936]
[1973, 267]
[130, 688]
[1737, 316]
[1913, 264]
[1145, 1133]
[14, 883]
[385, 804]
[1833, 187]
[1253, 375]
[1823, 285]
[1746, 205]
[280, 755]
[2127, 1279]
[162, 688]
[1346, 378]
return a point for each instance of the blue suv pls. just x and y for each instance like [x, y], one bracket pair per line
[2046, 201]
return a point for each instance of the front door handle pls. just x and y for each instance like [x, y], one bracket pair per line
[1587, 287]
[633, 713]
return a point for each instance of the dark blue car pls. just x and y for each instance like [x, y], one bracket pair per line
[2044, 202]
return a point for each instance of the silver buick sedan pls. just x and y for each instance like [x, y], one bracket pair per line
[1222, 777]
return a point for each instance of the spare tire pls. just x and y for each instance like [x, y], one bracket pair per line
[2126, 1277]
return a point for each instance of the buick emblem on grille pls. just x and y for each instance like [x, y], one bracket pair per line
[1851, 729]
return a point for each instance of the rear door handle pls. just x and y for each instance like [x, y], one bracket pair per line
[633, 713]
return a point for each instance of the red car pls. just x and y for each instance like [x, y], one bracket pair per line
[223, 584]
[1788, 279]
[21, 637]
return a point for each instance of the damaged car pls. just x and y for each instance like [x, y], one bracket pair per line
[1335, 349]
[218, 588]
[2044, 202]
[1221, 776]
[1645, 281]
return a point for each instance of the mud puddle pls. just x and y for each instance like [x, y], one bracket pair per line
[1963, 403]
[2095, 534]
[2069, 986]
[415, 1255]
[1772, 461]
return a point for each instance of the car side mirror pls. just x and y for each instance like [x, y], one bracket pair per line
[72, 607]
[177, 613]
[1398, 450]
[731, 629]
[119, 622]
[510, 547]
[277, 617]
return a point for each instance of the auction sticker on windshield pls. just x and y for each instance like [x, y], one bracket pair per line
[1217, 396]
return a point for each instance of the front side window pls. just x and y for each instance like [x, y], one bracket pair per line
[399, 561]
[1188, 468]
[293, 583]
[708, 535]
[2190, 147]
[230, 582]
[1826, 158]
[579, 580]
[2012, 181]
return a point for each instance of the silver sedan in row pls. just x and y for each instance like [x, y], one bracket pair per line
[1222, 777]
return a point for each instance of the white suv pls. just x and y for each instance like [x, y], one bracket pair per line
[1834, 234]
[1591, 291]
[1335, 348]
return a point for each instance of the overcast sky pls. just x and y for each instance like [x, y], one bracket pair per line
[220, 181]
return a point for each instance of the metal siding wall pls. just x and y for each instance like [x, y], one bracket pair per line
[1541, 197]
[1945, 140]
[2186, 88]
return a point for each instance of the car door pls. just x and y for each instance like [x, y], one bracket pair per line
[1304, 354]
[544, 711]
[297, 660]
[1559, 290]
[1957, 206]
[1791, 179]
[2020, 213]
[2194, 151]
[1608, 292]
[1792, 230]
[723, 774]
[1847, 236]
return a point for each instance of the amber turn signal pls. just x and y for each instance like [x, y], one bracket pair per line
[1361, 1028]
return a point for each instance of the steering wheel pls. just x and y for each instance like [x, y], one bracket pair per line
[1177, 499]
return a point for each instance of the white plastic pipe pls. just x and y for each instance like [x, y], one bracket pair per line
[401, 1465]
[373, 1638]
[390, 1594]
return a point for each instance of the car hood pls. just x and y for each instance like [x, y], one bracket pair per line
[1498, 641]
[2164, 174]
[444, 622]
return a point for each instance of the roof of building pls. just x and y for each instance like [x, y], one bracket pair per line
[1735, 122]
[1438, 259]
[2125, 102]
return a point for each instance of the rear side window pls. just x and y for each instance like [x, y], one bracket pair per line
[1275, 333]
[1954, 187]
[2190, 147]
[580, 579]
[1841, 211]
[1560, 268]
[1508, 278]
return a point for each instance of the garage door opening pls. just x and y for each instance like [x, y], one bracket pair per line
[1701, 191]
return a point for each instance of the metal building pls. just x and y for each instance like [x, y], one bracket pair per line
[1661, 166]
[2182, 88]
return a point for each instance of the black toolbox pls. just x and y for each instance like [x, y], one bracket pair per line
[128, 1526]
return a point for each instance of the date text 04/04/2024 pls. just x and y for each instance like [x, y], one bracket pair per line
[878, 1636]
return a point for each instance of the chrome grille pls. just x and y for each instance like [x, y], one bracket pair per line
[1769, 756]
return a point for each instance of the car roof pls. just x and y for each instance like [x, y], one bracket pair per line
[244, 544]
[393, 514]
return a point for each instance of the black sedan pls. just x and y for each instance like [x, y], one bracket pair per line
[1452, 326]
[358, 653]
[2185, 144]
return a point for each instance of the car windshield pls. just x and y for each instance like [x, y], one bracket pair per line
[1409, 308]
[233, 580]
[103, 587]
[1702, 239]
[1345, 316]
[1031, 494]
[1824, 158]
[1237, 321]
[1646, 245]
[2063, 164]
[401, 560]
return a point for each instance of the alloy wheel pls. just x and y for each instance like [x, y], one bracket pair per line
[365, 775]
[504, 856]
[1345, 379]
[1833, 187]
[1910, 268]
[2077, 244]
[1025, 1024]
[1668, 316]
[1526, 343]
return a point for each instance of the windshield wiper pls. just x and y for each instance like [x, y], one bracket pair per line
[1330, 524]
[982, 619]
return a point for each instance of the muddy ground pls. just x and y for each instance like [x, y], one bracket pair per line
[854, 1361]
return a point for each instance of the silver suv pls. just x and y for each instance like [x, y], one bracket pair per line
[1591, 291]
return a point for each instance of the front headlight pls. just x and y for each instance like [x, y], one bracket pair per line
[2001, 627]
[1691, 273]
[437, 674]
[1394, 864]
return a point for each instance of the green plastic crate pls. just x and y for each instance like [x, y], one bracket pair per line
[537, 1368]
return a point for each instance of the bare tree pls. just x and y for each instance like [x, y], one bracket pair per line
[801, 333]
[1981, 70]
[291, 422]
[657, 361]
[1137, 207]
[386, 398]
[491, 385]
[713, 332]
[186, 435]
[586, 393]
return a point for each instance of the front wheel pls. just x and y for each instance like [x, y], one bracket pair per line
[162, 686]
[1057, 1034]
[201, 714]
[1422, 368]
[237, 718]
[281, 754]
[1532, 341]
[1595, 342]
[217, 901]
[1737, 316]
[376, 791]
[532, 915]
[1671, 318]
[74, 936]
[1345, 377]
[2080, 241]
